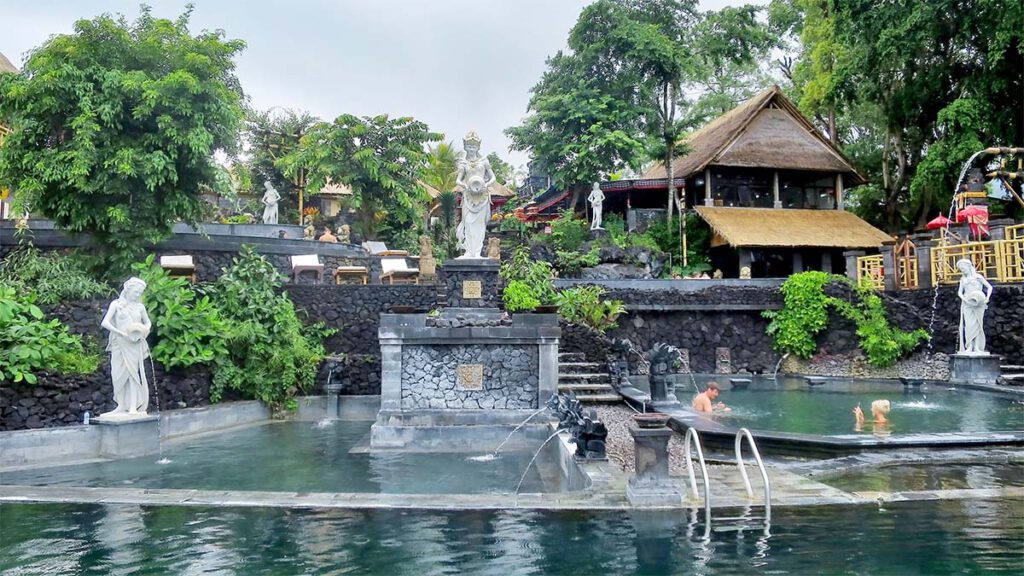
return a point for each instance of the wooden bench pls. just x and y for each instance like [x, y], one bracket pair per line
[179, 266]
[359, 272]
[307, 263]
[392, 268]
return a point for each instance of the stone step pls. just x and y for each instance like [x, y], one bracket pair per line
[1011, 368]
[1013, 379]
[577, 387]
[578, 367]
[563, 377]
[571, 357]
[598, 398]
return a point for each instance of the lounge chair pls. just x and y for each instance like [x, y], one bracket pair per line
[179, 266]
[359, 272]
[392, 268]
[307, 263]
[380, 249]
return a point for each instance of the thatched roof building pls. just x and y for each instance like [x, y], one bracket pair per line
[770, 228]
[6, 66]
[767, 132]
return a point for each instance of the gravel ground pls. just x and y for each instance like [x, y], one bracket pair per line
[618, 418]
[921, 365]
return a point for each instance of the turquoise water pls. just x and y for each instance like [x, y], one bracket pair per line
[908, 477]
[793, 406]
[302, 457]
[935, 538]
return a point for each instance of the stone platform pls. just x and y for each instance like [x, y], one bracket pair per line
[458, 381]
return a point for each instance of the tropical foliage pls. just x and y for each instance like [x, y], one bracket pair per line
[114, 128]
[30, 343]
[379, 157]
[587, 306]
[51, 277]
[805, 314]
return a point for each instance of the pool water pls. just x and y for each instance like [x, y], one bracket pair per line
[793, 406]
[303, 457]
[936, 538]
[914, 477]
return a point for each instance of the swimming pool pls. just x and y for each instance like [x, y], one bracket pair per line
[918, 477]
[936, 538]
[304, 457]
[791, 405]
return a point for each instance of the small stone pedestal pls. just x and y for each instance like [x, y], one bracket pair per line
[651, 485]
[472, 283]
[975, 368]
[129, 435]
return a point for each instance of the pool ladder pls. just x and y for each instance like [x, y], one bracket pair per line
[692, 438]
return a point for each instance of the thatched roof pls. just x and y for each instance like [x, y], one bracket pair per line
[767, 131]
[5, 64]
[785, 228]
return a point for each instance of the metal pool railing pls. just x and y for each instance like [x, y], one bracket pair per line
[693, 438]
[744, 433]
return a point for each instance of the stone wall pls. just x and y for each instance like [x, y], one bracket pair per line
[62, 399]
[509, 377]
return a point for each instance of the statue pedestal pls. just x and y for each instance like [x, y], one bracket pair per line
[598, 233]
[125, 435]
[974, 368]
[651, 485]
[472, 283]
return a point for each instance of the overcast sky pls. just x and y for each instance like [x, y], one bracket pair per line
[457, 65]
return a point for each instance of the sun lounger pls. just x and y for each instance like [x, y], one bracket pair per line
[398, 268]
[179, 266]
[307, 263]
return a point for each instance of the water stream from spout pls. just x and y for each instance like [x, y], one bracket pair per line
[775, 375]
[156, 396]
[530, 464]
[494, 454]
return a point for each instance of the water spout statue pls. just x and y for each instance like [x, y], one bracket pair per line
[589, 434]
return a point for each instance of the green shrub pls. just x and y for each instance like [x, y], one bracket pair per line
[616, 228]
[188, 328]
[584, 305]
[568, 233]
[518, 295]
[571, 263]
[51, 277]
[665, 237]
[271, 355]
[536, 274]
[804, 315]
[30, 343]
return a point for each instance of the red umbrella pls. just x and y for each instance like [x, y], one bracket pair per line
[977, 217]
[939, 222]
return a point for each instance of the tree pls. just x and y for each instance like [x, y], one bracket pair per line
[914, 86]
[503, 171]
[269, 136]
[380, 158]
[114, 127]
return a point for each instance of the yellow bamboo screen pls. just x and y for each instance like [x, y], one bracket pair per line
[997, 260]
[870, 270]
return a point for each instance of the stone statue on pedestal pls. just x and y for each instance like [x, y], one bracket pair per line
[128, 323]
[596, 200]
[344, 234]
[475, 177]
[974, 293]
[270, 200]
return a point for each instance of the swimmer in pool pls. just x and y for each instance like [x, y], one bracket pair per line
[879, 410]
[704, 402]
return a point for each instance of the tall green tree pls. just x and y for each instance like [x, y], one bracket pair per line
[114, 127]
[915, 86]
[503, 171]
[380, 158]
[270, 135]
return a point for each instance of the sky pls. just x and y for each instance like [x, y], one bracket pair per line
[457, 65]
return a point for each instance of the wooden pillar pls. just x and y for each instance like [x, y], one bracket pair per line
[839, 191]
[798, 261]
[826, 261]
[708, 200]
[775, 189]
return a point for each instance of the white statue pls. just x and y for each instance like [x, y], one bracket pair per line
[974, 293]
[596, 200]
[270, 200]
[128, 323]
[475, 177]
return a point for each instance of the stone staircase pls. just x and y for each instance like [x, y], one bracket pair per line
[1013, 375]
[589, 381]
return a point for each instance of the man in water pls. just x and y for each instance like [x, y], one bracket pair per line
[705, 401]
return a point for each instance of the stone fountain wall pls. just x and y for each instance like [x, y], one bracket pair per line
[431, 379]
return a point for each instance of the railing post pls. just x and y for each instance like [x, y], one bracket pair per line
[891, 274]
[851, 263]
[924, 244]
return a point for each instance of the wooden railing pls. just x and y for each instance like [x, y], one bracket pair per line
[871, 270]
[997, 260]
[904, 256]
